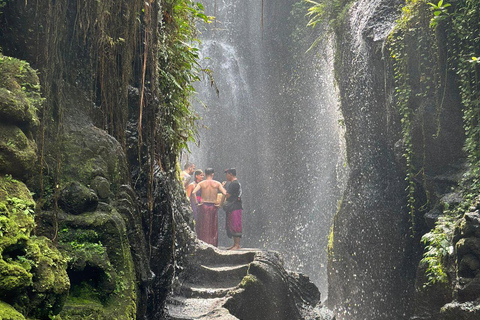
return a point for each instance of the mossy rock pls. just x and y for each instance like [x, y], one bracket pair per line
[101, 267]
[16, 208]
[16, 224]
[17, 153]
[75, 198]
[50, 280]
[19, 92]
[7, 312]
[33, 275]
[90, 153]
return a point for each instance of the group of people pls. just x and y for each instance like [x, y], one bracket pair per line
[207, 196]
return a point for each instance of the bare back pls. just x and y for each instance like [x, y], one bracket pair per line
[210, 188]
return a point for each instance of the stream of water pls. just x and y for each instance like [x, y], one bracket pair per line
[276, 120]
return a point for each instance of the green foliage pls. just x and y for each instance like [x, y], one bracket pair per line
[463, 49]
[326, 11]
[3, 3]
[179, 69]
[440, 12]
[317, 12]
[7, 312]
[438, 246]
[24, 206]
[423, 83]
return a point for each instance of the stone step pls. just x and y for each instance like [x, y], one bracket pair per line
[192, 308]
[219, 276]
[209, 255]
[195, 291]
[217, 314]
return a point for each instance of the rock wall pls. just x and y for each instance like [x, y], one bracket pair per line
[369, 273]
[33, 277]
[403, 99]
[104, 212]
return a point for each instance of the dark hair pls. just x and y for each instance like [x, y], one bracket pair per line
[232, 171]
[187, 165]
[209, 171]
[197, 173]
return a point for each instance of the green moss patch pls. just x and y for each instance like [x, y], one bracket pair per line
[17, 153]
[33, 275]
[19, 91]
[7, 312]
[100, 267]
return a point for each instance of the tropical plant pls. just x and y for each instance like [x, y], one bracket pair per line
[440, 12]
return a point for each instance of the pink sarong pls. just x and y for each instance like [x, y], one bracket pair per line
[206, 225]
[233, 223]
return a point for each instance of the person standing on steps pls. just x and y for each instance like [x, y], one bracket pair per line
[206, 225]
[195, 199]
[233, 208]
[186, 174]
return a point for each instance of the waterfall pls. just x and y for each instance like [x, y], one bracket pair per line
[276, 120]
[370, 274]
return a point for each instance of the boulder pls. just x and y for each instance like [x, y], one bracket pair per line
[17, 151]
[33, 272]
[456, 311]
[75, 198]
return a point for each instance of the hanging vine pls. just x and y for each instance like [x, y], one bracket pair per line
[414, 91]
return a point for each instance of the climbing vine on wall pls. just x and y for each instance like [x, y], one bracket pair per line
[461, 24]
[412, 43]
[464, 50]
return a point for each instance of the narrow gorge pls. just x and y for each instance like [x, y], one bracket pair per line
[357, 143]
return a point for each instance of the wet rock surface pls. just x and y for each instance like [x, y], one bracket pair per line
[246, 284]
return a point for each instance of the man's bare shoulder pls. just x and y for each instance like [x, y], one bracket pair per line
[216, 183]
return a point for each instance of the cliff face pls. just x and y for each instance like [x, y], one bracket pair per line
[369, 275]
[87, 137]
[403, 99]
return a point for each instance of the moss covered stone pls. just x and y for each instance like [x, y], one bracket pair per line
[100, 266]
[33, 275]
[17, 152]
[19, 91]
[7, 312]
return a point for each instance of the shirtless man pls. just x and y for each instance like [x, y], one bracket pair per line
[186, 174]
[206, 225]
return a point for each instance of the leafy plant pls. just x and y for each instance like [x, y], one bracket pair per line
[179, 69]
[3, 3]
[317, 12]
[328, 12]
[438, 246]
[21, 205]
[409, 86]
[440, 12]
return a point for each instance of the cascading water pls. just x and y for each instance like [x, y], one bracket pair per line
[276, 120]
[371, 273]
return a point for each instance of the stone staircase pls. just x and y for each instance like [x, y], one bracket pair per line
[204, 287]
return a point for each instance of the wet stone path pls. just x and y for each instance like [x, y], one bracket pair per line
[206, 284]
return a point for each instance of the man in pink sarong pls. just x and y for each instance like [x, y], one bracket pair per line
[206, 225]
[233, 208]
